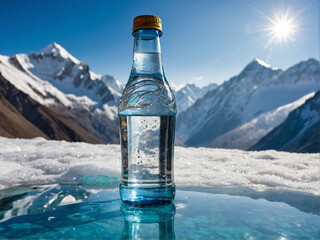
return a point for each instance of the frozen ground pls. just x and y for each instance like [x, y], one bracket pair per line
[39, 161]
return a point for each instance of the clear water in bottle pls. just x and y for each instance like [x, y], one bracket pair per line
[147, 158]
[147, 112]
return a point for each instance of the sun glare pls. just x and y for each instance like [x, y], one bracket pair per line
[283, 29]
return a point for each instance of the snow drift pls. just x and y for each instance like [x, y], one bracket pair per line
[39, 161]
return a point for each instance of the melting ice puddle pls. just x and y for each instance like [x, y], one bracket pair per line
[62, 211]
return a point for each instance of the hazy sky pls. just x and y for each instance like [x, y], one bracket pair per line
[204, 41]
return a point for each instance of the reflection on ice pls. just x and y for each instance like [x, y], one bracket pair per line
[62, 211]
[68, 200]
[148, 222]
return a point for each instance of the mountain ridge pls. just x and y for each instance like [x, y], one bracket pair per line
[245, 97]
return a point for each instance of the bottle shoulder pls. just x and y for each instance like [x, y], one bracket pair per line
[147, 95]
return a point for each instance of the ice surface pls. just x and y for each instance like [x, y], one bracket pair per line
[38, 161]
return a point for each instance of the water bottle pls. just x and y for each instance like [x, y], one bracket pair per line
[147, 112]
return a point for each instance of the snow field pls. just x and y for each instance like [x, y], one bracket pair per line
[39, 161]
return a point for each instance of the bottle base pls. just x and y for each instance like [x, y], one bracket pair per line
[147, 196]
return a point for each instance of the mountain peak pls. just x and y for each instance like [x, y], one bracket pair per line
[57, 50]
[262, 63]
[257, 65]
[54, 47]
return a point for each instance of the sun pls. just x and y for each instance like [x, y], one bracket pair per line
[283, 29]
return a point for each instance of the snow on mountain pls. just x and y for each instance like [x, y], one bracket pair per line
[55, 65]
[247, 135]
[39, 161]
[189, 93]
[41, 91]
[256, 90]
[300, 132]
[57, 80]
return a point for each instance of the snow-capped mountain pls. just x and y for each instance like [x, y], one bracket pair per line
[57, 80]
[300, 132]
[258, 89]
[189, 94]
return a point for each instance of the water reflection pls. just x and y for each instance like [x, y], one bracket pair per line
[148, 222]
[74, 212]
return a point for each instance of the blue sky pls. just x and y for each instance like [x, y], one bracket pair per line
[204, 41]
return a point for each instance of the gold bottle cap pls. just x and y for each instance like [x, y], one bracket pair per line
[146, 21]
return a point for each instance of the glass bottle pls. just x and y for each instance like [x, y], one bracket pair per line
[147, 112]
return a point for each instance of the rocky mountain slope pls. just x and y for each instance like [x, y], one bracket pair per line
[25, 118]
[12, 122]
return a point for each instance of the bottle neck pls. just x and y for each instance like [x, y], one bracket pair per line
[147, 52]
